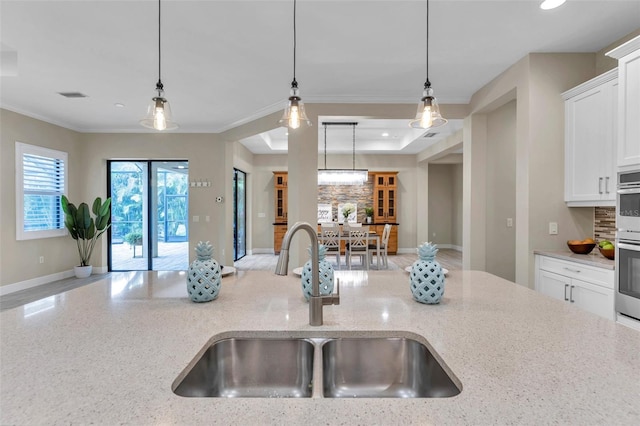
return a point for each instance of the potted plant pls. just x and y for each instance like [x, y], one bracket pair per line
[369, 212]
[86, 229]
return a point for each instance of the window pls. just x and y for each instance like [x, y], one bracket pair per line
[41, 179]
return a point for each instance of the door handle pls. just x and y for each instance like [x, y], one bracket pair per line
[600, 185]
[606, 185]
[565, 292]
[572, 270]
[571, 294]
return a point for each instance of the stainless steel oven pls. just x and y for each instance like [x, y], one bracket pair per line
[628, 244]
[628, 202]
[628, 273]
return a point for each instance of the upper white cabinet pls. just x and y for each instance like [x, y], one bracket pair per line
[590, 142]
[628, 56]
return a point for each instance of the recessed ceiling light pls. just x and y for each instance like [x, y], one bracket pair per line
[385, 134]
[118, 105]
[551, 4]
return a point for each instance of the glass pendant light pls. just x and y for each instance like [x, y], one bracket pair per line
[294, 114]
[159, 111]
[551, 4]
[351, 176]
[428, 114]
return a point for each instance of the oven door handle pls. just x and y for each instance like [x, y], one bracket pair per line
[629, 191]
[632, 247]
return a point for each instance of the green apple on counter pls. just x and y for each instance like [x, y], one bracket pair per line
[606, 244]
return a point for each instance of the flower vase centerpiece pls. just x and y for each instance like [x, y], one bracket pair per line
[426, 277]
[204, 278]
[325, 274]
[347, 209]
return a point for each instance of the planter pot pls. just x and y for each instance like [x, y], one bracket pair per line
[82, 271]
[369, 219]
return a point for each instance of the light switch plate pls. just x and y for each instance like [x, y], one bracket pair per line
[553, 228]
[509, 222]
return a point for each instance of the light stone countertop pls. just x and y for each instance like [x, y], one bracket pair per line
[108, 353]
[595, 258]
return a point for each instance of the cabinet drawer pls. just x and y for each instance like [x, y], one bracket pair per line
[598, 276]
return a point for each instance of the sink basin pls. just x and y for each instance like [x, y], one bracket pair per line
[389, 365]
[251, 367]
[382, 367]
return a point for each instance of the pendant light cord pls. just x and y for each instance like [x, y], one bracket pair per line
[427, 83]
[294, 83]
[325, 146]
[353, 166]
[159, 85]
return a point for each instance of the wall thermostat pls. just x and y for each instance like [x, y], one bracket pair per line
[219, 199]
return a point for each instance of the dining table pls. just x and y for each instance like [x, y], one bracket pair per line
[373, 236]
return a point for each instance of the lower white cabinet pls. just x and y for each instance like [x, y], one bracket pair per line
[587, 287]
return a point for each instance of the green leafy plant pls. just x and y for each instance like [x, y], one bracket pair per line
[133, 238]
[86, 229]
[368, 211]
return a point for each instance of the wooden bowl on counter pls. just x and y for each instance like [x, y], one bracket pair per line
[608, 253]
[581, 248]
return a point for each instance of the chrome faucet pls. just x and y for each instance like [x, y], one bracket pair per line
[316, 300]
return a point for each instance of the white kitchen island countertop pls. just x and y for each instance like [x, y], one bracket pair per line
[108, 353]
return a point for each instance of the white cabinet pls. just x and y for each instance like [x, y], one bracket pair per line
[590, 142]
[587, 287]
[628, 56]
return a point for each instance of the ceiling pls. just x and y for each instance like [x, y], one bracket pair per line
[225, 63]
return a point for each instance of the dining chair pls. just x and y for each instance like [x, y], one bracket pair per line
[330, 239]
[358, 246]
[384, 246]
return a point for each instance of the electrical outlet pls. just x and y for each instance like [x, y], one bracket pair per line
[41, 259]
[553, 228]
[509, 222]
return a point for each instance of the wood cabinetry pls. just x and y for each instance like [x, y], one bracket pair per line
[278, 236]
[385, 197]
[587, 287]
[590, 142]
[280, 192]
[384, 201]
[628, 56]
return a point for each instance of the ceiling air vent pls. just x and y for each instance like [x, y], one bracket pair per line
[429, 135]
[72, 94]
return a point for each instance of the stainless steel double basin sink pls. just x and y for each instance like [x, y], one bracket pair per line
[269, 366]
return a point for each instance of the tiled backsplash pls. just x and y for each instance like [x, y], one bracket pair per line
[362, 195]
[604, 224]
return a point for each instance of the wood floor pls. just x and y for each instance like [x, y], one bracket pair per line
[449, 259]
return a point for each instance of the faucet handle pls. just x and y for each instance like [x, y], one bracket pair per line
[333, 299]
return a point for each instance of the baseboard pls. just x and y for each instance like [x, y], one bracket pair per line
[440, 246]
[261, 251]
[34, 282]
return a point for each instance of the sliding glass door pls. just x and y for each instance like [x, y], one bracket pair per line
[149, 212]
[239, 214]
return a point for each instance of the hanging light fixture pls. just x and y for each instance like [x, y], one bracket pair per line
[294, 114]
[551, 4]
[351, 176]
[428, 114]
[159, 111]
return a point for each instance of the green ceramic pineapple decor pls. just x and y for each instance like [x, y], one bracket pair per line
[426, 277]
[203, 281]
[325, 272]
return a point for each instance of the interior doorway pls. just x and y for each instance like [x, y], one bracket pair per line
[239, 214]
[149, 215]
